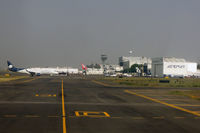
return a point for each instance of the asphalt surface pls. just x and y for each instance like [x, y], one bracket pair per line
[34, 105]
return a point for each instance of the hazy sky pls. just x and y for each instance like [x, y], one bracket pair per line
[60, 32]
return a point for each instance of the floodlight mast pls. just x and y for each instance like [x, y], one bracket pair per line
[131, 51]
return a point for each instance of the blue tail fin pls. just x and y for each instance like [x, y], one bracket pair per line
[11, 67]
[9, 63]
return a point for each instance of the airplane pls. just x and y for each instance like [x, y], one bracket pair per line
[84, 68]
[39, 71]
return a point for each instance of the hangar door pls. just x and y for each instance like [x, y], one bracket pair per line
[158, 70]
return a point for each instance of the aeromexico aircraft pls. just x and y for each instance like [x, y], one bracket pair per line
[38, 71]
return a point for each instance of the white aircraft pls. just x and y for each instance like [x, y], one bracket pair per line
[39, 71]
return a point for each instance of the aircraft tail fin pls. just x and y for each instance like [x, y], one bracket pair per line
[10, 65]
[83, 67]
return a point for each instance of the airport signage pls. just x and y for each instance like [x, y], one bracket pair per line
[176, 66]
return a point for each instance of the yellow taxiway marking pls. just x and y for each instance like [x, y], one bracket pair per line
[10, 116]
[91, 114]
[63, 111]
[164, 103]
[45, 95]
[106, 114]
[77, 113]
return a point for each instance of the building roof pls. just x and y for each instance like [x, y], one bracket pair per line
[173, 59]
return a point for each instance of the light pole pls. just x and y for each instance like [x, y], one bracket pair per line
[131, 51]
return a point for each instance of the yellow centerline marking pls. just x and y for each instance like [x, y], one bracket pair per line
[63, 111]
[161, 102]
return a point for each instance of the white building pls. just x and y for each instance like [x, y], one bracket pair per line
[94, 71]
[127, 62]
[173, 67]
[113, 68]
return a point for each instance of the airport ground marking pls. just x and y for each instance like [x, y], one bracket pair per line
[63, 110]
[45, 95]
[91, 114]
[164, 103]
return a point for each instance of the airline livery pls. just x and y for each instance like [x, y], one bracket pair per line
[39, 71]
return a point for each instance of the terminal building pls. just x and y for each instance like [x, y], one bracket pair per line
[127, 62]
[104, 69]
[173, 67]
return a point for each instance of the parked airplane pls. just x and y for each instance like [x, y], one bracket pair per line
[39, 71]
[84, 67]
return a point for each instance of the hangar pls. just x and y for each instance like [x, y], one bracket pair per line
[172, 67]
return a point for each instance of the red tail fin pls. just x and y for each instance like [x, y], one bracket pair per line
[83, 67]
